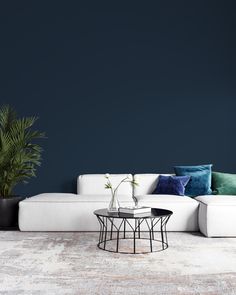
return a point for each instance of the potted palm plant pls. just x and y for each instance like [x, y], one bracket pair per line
[19, 157]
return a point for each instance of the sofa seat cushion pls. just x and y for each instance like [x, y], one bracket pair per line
[165, 199]
[185, 210]
[52, 197]
[217, 216]
[63, 212]
[70, 198]
[214, 200]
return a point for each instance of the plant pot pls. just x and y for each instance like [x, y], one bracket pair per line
[9, 211]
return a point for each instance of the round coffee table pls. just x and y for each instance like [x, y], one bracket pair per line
[115, 226]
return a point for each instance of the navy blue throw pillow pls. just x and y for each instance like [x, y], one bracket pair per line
[171, 185]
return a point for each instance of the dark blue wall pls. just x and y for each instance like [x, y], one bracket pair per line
[122, 87]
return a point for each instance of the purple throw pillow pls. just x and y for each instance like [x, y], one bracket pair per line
[171, 185]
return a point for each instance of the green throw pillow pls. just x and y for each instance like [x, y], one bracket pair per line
[223, 183]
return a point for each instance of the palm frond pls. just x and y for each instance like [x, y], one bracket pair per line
[19, 153]
[7, 117]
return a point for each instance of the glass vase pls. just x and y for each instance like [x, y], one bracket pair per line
[135, 202]
[114, 204]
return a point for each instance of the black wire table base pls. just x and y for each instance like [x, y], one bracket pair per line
[109, 231]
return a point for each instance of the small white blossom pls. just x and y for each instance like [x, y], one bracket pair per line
[107, 175]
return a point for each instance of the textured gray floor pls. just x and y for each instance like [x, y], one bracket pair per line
[70, 263]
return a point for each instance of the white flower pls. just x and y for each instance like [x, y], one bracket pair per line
[107, 175]
[128, 177]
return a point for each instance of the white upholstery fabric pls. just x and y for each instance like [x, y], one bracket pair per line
[217, 200]
[70, 212]
[63, 212]
[146, 183]
[185, 210]
[53, 198]
[67, 198]
[166, 199]
[217, 215]
[94, 184]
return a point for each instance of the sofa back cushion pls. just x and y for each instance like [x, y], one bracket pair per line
[146, 183]
[94, 184]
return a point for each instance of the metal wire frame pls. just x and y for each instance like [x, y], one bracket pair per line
[106, 235]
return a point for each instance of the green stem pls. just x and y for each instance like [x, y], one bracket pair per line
[124, 180]
[110, 186]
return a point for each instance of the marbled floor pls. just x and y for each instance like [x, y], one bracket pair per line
[70, 263]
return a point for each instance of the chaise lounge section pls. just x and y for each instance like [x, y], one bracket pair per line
[217, 215]
[71, 212]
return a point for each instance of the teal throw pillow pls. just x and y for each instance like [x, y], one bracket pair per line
[200, 179]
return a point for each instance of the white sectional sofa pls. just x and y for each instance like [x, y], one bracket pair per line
[74, 212]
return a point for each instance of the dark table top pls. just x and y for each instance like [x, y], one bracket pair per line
[155, 212]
